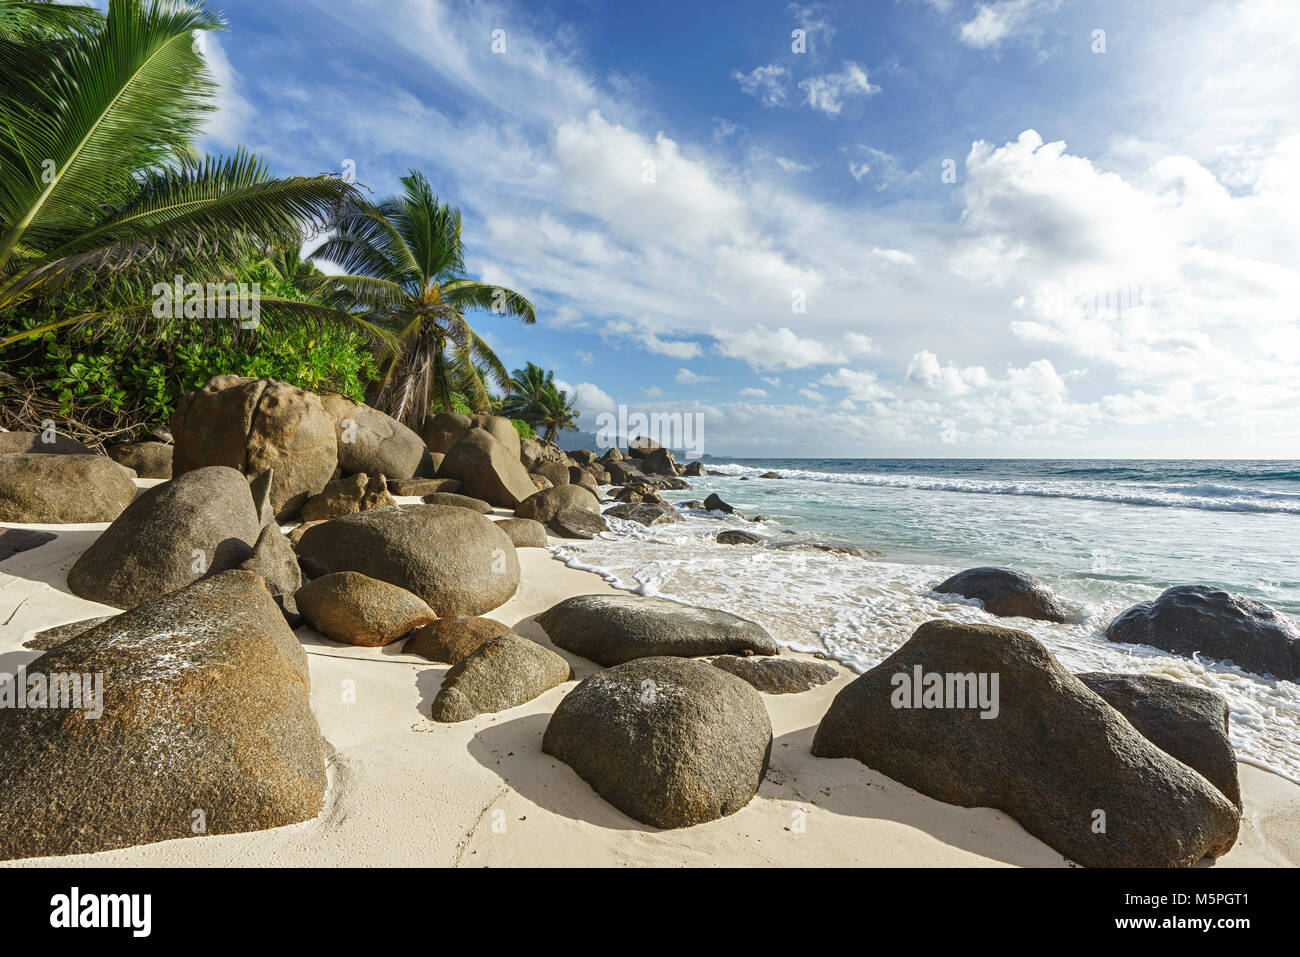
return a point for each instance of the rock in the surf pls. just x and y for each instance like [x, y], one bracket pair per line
[1006, 593]
[1197, 620]
[981, 716]
[577, 523]
[544, 505]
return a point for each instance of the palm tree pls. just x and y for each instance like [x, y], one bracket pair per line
[524, 387]
[100, 186]
[555, 411]
[534, 398]
[403, 263]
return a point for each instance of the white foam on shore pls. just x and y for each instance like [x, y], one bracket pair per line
[858, 611]
[1208, 496]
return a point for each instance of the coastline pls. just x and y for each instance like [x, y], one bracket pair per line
[406, 791]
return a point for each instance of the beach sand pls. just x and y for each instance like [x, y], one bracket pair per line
[407, 791]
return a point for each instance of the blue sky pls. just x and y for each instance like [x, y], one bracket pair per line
[1111, 269]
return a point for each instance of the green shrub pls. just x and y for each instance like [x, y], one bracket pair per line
[119, 384]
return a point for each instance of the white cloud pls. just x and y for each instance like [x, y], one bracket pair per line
[995, 22]
[782, 349]
[812, 18]
[228, 125]
[767, 84]
[792, 166]
[880, 168]
[687, 377]
[586, 358]
[828, 92]
[753, 393]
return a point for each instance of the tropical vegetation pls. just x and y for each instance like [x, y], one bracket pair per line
[105, 202]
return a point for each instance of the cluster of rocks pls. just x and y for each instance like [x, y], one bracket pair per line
[208, 707]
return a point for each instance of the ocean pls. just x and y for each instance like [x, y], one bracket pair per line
[1103, 534]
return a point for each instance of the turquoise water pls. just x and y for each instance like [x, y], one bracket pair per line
[1086, 523]
[1103, 534]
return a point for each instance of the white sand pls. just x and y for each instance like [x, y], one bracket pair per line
[405, 790]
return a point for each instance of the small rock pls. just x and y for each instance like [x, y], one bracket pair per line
[1006, 593]
[452, 640]
[577, 523]
[777, 675]
[503, 673]
[347, 496]
[734, 536]
[524, 532]
[458, 501]
[354, 609]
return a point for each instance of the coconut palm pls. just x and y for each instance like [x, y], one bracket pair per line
[403, 263]
[100, 186]
[554, 411]
[524, 387]
[535, 398]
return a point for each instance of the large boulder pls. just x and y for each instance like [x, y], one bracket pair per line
[659, 462]
[544, 505]
[1006, 593]
[41, 443]
[442, 430]
[355, 493]
[501, 429]
[257, 424]
[199, 523]
[533, 451]
[206, 722]
[62, 489]
[777, 675]
[694, 469]
[555, 471]
[371, 441]
[355, 609]
[1196, 620]
[612, 629]
[456, 560]
[1184, 721]
[502, 673]
[980, 716]
[454, 639]
[487, 469]
[149, 460]
[668, 742]
[641, 446]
